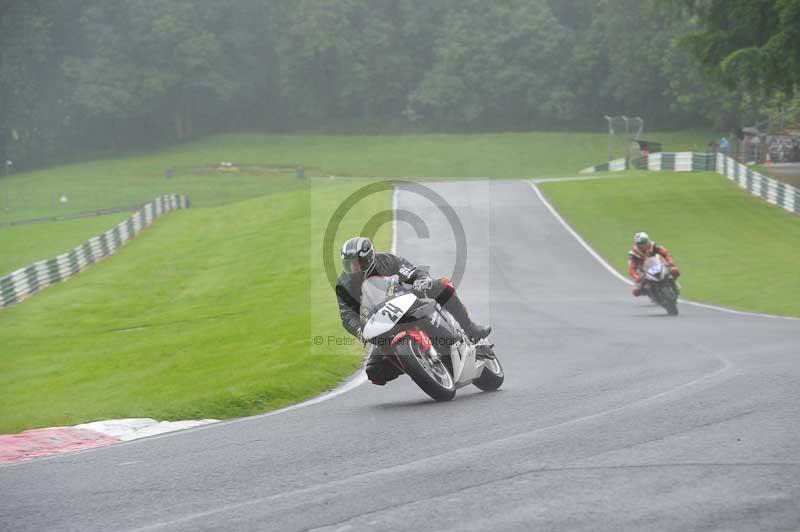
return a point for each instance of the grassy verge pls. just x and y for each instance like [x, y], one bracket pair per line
[209, 313]
[733, 248]
[107, 184]
[25, 244]
[139, 178]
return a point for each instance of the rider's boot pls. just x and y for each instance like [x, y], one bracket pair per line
[475, 331]
[380, 369]
[640, 290]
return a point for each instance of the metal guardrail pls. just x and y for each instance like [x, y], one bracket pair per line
[25, 282]
[772, 191]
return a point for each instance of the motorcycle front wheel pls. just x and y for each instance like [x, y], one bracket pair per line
[492, 376]
[431, 375]
[669, 299]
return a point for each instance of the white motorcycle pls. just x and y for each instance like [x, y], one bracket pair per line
[424, 340]
[660, 284]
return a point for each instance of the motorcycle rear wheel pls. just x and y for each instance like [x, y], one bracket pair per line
[432, 377]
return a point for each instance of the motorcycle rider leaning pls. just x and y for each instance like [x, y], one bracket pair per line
[359, 261]
[643, 247]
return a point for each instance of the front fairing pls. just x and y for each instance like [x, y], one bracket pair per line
[387, 315]
[654, 269]
[384, 303]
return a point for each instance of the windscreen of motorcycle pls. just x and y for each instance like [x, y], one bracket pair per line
[383, 313]
[653, 267]
[374, 291]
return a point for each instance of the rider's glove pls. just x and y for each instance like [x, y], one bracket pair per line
[423, 283]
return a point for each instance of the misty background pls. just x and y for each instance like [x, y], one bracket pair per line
[81, 76]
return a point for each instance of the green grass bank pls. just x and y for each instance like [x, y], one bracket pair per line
[209, 313]
[733, 248]
[25, 244]
[132, 179]
[21, 245]
[135, 179]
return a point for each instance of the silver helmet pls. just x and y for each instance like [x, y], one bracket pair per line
[358, 256]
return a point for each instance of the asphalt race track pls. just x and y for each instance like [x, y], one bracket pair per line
[613, 417]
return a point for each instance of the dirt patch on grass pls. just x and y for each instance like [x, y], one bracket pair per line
[222, 169]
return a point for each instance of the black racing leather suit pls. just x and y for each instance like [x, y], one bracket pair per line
[348, 293]
[348, 288]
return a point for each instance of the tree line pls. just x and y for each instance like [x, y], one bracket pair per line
[83, 75]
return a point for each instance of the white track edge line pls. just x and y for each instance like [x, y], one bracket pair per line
[619, 276]
[577, 237]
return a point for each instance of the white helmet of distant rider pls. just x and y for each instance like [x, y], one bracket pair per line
[642, 241]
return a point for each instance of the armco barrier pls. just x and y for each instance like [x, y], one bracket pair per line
[771, 190]
[24, 282]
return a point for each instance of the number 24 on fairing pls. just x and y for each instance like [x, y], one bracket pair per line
[393, 312]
